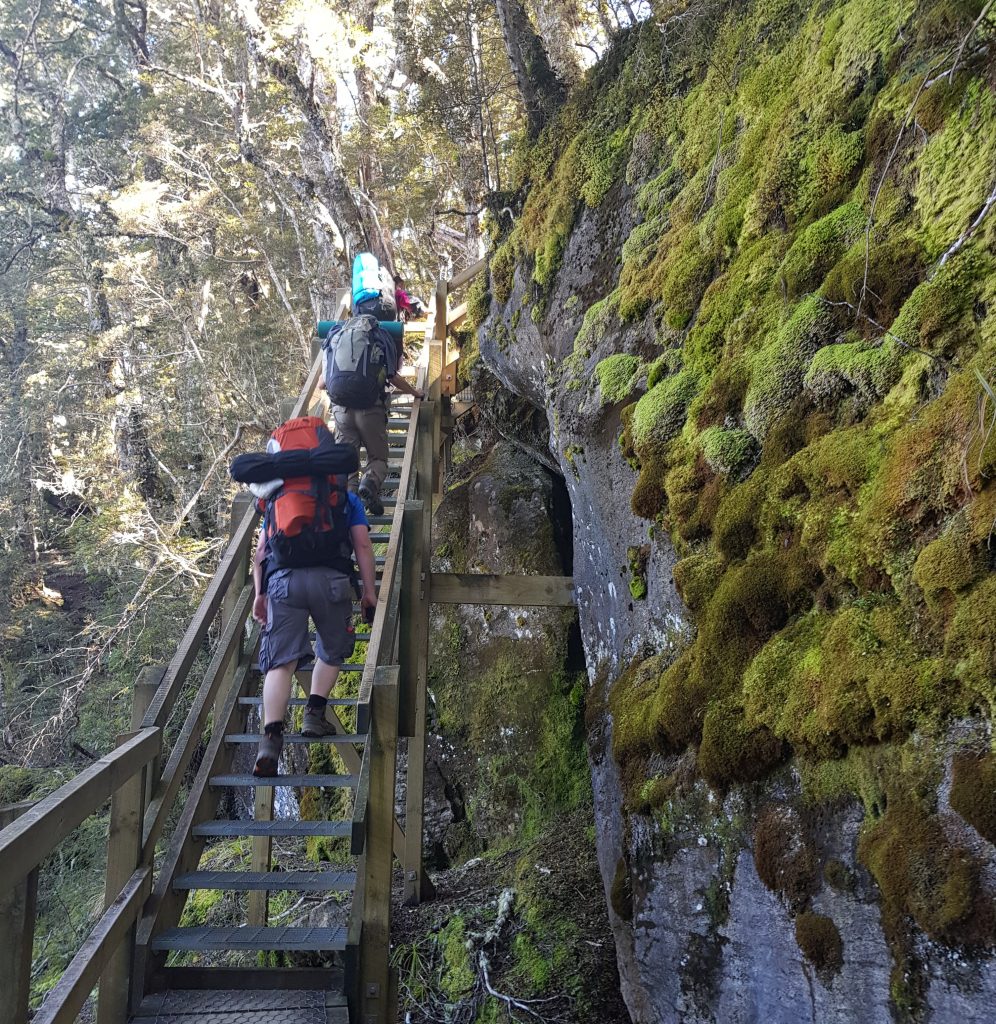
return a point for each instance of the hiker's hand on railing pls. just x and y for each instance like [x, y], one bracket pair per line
[259, 609]
[368, 605]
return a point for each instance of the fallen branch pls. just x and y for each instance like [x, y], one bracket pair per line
[970, 230]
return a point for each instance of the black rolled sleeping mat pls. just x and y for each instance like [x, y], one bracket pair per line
[259, 467]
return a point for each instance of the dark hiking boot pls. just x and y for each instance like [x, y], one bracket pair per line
[315, 724]
[371, 499]
[268, 757]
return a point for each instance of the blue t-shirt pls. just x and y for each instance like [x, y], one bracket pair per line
[356, 514]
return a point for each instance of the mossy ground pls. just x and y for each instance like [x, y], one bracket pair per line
[817, 441]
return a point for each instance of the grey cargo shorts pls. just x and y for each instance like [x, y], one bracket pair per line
[322, 594]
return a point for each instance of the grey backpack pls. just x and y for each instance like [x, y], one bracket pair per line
[356, 364]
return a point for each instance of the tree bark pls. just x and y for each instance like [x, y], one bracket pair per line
[541, 90]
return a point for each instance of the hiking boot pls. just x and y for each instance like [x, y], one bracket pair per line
[371, 499]
[315, 724]
[268, 756]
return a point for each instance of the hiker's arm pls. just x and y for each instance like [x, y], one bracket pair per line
[363, 549]
[259, 605]
[404, 387]
[321, 379]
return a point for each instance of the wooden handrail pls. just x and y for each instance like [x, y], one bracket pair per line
[29, 840]
[467, 274]
[66, 998]
[358, 833]
[190, 735]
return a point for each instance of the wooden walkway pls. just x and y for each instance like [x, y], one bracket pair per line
[148, 961]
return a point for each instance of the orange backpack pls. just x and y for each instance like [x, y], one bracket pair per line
[305, 522]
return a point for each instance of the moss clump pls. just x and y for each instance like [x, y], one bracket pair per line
[921, 873]
[637, 558]
[616, 377]
[820, 942]
[660, 413]
[502, 269]
[478, 301]
[735, 528]
[946, 565]
[970, 642]
[728, 451]
[783, 855]
[973, 791]
[830, 680]
[865, 370]
[457, 974]
[15, 783]
[732, 751]
[778, 369]
[817, 248]
[696, 577]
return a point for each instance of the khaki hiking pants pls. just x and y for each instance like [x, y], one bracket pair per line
[366, 427]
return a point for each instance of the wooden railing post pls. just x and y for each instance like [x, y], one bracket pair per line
[241, 504]
[145, 691]
[415, 659]
[17, 935]
[124, 855]
[375, 938]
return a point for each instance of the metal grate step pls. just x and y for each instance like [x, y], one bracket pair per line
[293, 737]
[282, 829]
[268, 881]
[303, 940]
[303, 781]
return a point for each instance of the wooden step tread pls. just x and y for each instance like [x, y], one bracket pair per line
[303, 781]
[300, 702]
[287, 940]
[281, 829]
[268, 881]
[295, 737]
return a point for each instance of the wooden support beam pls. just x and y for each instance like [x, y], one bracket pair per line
[524, 591]
[457, 315]
[146, 687]
[261, 858]
[450, 385]
[124, 855]
[17, 932]
[375, 939]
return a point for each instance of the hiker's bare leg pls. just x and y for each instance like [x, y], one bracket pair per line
[277, 691]
[323, 678]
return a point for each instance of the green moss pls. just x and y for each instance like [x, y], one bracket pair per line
[478, 301]
[830, 680]
[778, 369]
[502, 269]
[687, 275]
[597, 319]
[946, 565]
[636, 559]
[923, 874]
[973, 790]
[732, 751]
[863, 369]
[728, 451]
[660, 413]
[819, 939]
[616, 377]
[198, 906]
[970, 642]
[696, 577]
[457, 975]
[16, 783]
[816, 249]
[735, 528]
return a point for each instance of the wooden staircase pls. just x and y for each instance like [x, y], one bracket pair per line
[146, 962]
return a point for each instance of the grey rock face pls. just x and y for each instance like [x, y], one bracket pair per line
[680, 959]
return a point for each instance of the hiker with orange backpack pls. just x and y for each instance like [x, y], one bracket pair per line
[313, 527]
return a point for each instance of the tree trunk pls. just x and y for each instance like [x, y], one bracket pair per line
[541, 90]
